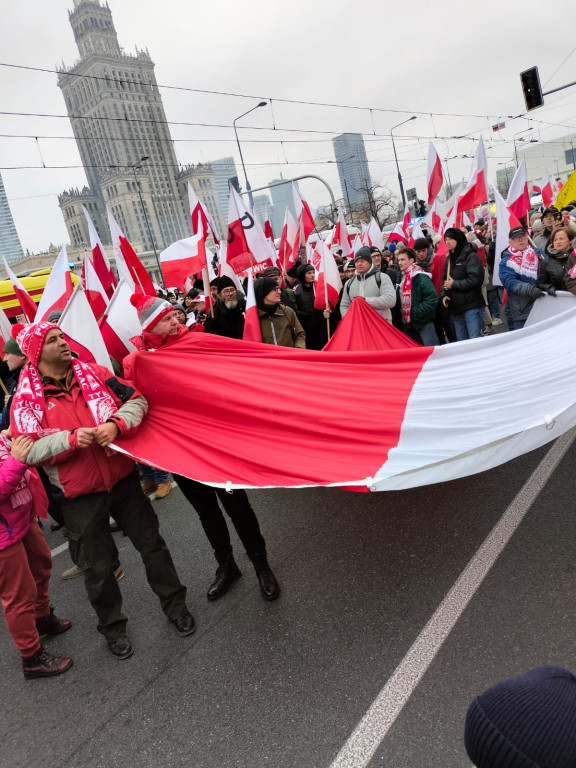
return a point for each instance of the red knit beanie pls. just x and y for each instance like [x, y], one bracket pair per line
[30, 339]
[150, 309]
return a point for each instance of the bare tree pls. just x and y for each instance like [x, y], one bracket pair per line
[380, 203]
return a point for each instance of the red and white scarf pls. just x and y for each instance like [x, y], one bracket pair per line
[412, 270]
[28, 404]
[525, 263]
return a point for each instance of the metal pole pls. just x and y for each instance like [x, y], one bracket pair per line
[515, 151]
[147, 221]
[299, 178]
[248, 187]
[403, 196]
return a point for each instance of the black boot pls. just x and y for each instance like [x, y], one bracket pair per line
[226, 574]
[268, 585]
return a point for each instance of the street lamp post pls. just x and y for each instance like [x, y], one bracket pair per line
[344, 180]
[396, 157]
[248, 187]
[514, 140]
[133, 167]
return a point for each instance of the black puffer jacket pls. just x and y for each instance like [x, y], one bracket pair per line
[468, 274]
[552, 271]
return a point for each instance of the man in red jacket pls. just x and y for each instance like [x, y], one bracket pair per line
[73, 411]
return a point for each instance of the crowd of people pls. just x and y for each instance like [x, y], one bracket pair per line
[61, 415]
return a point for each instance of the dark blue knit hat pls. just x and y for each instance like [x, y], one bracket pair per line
[527, 721]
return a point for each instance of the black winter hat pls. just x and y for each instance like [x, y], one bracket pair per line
[263, 287]
[224, 282]
[302, 269]
[458, 235]
[293, 271]
[527, 721]
[192, 293]
[363, 253]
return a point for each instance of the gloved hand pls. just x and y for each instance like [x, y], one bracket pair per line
[551, 291]
[534, 292]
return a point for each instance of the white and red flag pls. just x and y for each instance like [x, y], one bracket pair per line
[224, 268]
[81, 329]
[546, 190]
[416, 233]
[341, 236]
[374, 233]
[290, 235]
[201, 221]
[268, 231]
[29, 308]
[252, 330]
[58, 287]
[506, 219]
[518, 199]
[304, 214]
[120, 323]
[182, 259]
[397, 235]
[121, 266]
[139, 274]
[99, 258]
[435, 175]
[247, 245]
[5, 330]
[329, 282]
[432, 219]
[94, 290]
[475, 193]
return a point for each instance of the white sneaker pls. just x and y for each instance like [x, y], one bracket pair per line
[73, 572]
[496, 321]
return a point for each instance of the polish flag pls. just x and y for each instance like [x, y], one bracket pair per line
[251, 321]
[536, 190]
[247, 244]
[93, 288]
[341, 236]
[268, 231]
[441, 254]
[506, 219]
[29, 308]
[416, 233]
[81, 329]
[329, 283]
[99, 258]
[475, 192]
[120, 323]
[445, 209]
[142, 280]
[397, 235]
[198, 214]
[5, 330]
[290, 233]
[375, 234]
[406, 221]
[58, 288]
[304, 213]
[435, 175]
[182, 259]
[224, 268]
[546, 190]
[556, 187]
[518, 199]
[121, 266]
[432, 219]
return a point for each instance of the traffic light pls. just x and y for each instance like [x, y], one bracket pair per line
[531, 88]
[422, 208]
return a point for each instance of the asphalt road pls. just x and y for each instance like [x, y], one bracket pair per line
[285, 684]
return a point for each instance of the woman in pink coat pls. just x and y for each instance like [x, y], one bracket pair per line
[25, 562]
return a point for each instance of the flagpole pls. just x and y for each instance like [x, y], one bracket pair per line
[206, 282]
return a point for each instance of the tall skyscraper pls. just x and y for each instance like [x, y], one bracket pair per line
[124, 141]
[353, 170]
[282, 198]
[10, 248]
[224, 170]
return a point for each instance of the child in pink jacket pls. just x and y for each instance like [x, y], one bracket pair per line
[25, 562]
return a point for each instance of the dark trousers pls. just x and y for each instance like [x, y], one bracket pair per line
[204, 499]
[87, 521]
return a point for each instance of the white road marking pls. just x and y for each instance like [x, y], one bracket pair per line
[360, 748]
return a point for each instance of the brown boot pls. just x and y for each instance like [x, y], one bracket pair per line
[163, 489]
[51, 624]
[44, 664]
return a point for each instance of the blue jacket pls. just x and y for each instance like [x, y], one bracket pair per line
[518, 287]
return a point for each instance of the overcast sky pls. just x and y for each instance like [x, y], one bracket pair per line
[438, 57]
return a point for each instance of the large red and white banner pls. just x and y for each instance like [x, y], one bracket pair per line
[426, 432]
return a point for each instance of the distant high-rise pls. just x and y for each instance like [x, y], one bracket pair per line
[120, 126]
[10, 248]
[224, 170]
[282, 198]
[353, 170]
